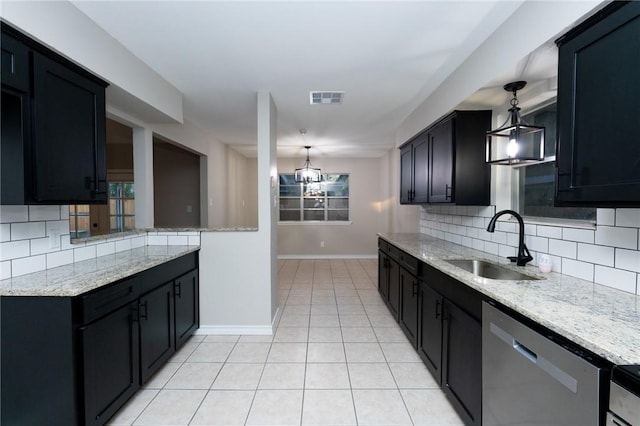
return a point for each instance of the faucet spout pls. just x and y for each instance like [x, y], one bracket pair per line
[523, 256]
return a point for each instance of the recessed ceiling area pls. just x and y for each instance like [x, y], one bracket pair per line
[387, 57]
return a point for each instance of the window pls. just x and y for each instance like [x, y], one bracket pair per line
[535, 182]
[122, 209]
[79, 219]
[326, 201]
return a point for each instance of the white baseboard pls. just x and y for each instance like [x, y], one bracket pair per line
[239, 330]
[326, 256]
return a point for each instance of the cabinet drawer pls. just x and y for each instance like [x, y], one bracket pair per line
[394, 252]
[409, 263]
[383, 245]
[106, 300]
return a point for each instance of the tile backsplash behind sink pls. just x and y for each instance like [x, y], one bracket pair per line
[609, 254]
[25, 245]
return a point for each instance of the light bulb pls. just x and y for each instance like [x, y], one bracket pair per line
[512, 147]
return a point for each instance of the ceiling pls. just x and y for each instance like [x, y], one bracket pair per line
[386, 56]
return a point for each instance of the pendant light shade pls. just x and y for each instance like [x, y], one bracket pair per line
[515, 142]
[308, 174]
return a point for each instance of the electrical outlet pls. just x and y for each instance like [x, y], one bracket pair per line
[54, 239]
[321, 244]
[189, 208]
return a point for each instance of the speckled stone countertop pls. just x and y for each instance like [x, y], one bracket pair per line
[81, 277]
[603, 320]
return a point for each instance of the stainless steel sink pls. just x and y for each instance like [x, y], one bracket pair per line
[489, 270]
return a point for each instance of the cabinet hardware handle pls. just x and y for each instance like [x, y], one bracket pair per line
[92, 185]
[447, 194]
[178, 289]
[437, 309]
[143, 304]
[415, 288]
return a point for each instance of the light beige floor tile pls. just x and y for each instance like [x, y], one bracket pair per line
[430, 407]
[324, 321]
[324, 310]
[196, 338]
[171, 407]
[184, 352]
[328, 407]
[325, 334]
[297, 309]
[194, 375]
[370, 376]
[380, 407]
[276, 407]
[299, 300]
[360, 320]
[376, 309]
[351, 310]
[291, 334]
[211, 352]
[346, 291]
[382, 320]
[255, 338]
[249, 352]
[364, 352]
[412, 375]
[327, 376]
[358, 334]
[220, 338]
[400, 352]
[228, 408]
[132, 409]
[238, 377]
[288, 352]
[390, 334]
[319, 292]
[348, 300]
[294, 320]
[282, 376]
[162, 376]
[323, 300]
[325, 352]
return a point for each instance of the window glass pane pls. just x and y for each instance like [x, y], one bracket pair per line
[115, 189]
[82, 209]
[129, 222]
[114, 205]
[129, 191]
[314, 189]
[114, 225]
[290, 190]
[82, 223]
[314, 203]
[545, 117]
[314, 215]
[289, 203]
[338, 214]
[290, 215]
[338, 203]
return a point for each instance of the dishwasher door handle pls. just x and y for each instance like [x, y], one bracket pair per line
[525, 351]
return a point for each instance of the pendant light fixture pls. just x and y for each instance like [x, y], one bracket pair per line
[306, 173]
[515, 142]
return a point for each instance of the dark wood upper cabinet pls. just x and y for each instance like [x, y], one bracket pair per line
[54, 147]
[598, 154]
[446, 162]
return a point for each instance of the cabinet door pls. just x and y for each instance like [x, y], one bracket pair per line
[441, 163]
[409, 305]
[186, 301]
[598, 154]
[421, 169]
[15, 63]
[383, 275]
[406, 183]
[394, 288]
[68, 137]
[111, 363]
[430, 330]
[157, 331]
[462, 362]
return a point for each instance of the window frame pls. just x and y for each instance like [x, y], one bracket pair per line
[326, 209]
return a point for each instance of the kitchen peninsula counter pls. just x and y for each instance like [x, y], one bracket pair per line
[80, 277]
[601, 319]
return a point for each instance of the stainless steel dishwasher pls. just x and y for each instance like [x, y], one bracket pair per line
[529, 378]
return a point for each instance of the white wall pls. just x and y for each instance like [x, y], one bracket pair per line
[367, 209]
[242, 190]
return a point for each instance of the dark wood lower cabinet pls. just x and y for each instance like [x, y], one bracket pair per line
[430, 330]
[187, 306]
[383, 275]
[462, 362]
[110, 351]
[393, 301]
[409, 306]
[157, 330]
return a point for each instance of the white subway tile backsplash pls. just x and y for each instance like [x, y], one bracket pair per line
[44, 213]
[499, 237]
[464, 241]
[59, 226]
[538, 244]
[506, 251]
[606, 217]
[59, 258]
[27, 230]
[14, 250]
[5, 270]
[492, 248]
[628, 259]
[530, 229]
[123, 245]
[616, 278]
[579, 235]
[11, 214]
[64, 212]
[628, 217]
[178, 240]
[5, 232]
[28, 265]
[478, 222]
[157, 240]
[513, 240]
[41, 246]
[549, 231]
[600, 255]
[577, 269]
[473, 232]
[563, 248]
[84, 253]
[617, 237]
[105, 249]
[478, 245]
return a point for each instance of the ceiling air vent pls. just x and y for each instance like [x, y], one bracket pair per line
[325, 97]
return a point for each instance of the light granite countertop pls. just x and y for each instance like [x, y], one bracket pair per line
[80, 277]
[601, 319]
